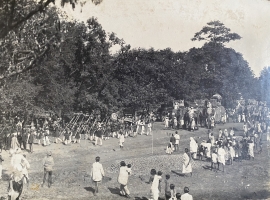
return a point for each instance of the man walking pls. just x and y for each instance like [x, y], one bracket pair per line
[124, 173]
[48, 164]
[97, 173]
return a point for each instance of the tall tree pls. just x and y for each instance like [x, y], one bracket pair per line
[216, 33]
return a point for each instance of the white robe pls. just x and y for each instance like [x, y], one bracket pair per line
[97, 171]
[186, 164]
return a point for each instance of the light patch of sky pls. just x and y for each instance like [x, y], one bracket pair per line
[172, 23]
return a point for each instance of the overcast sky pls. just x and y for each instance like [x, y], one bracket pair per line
[172, 23]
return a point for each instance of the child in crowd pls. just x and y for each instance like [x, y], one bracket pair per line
[214, 160]
[201, 152]
[129, 169]
[173, 193]
[152, 174]
[167, 187]
[178, 196]
[231, 153]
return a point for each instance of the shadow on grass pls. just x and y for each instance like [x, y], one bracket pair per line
[89, 189]
[178, 172]
[262, 194]
[207, 167]
[114, 190]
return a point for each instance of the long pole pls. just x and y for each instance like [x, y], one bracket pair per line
[152, 144]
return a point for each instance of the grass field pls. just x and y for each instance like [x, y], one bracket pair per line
[242, 180]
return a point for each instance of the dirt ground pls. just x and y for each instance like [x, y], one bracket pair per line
[242, 180]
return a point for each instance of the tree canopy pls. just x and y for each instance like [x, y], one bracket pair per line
[67, 66]
[215, 32]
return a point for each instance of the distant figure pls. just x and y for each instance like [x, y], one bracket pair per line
[172, 140]
[48, 164]
[31, 141]
[97, 173]
[166, 122]
[14, 142]
[221, 157]
[121, 140]
[1, 167]
[177, 140]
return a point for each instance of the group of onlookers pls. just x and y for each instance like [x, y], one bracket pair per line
[170, 192]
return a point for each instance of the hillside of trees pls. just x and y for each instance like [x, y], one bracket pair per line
[66, 66]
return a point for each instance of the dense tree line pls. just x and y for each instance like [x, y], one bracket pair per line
[67, 66]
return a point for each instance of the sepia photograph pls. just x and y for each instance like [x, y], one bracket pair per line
[134, 99]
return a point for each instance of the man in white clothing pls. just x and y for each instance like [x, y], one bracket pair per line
[156, 187]
[177, 140]
[186, 195]
[97, 173]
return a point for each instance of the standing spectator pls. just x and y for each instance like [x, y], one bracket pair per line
[220, 133]
[124, 173]
[186, 195]
[172, 140]
[24, 140]
[177, 140]
[250, 144]
[187, 168]
[97, 173]
[121, 139]
[19, 138]
[212, 139]
[98, 136]
[142, 124]
[77, 136]
[48, 164]
[149, 128]
[46, 140]
[221, 156]
[66, 137]
[193, 147]
[156, 186]
[25, 166]
[214, 160]
[31, 141]
[226, 134]
[212, 119]
[173, 192]
[137, 127]
[1, 167]
[14, 142]
[232, 133]
[167, 187]
[166, 122]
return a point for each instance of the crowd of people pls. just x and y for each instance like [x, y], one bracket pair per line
[220, 149]
[155, 180]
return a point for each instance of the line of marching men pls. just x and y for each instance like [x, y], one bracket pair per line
[73, 132]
